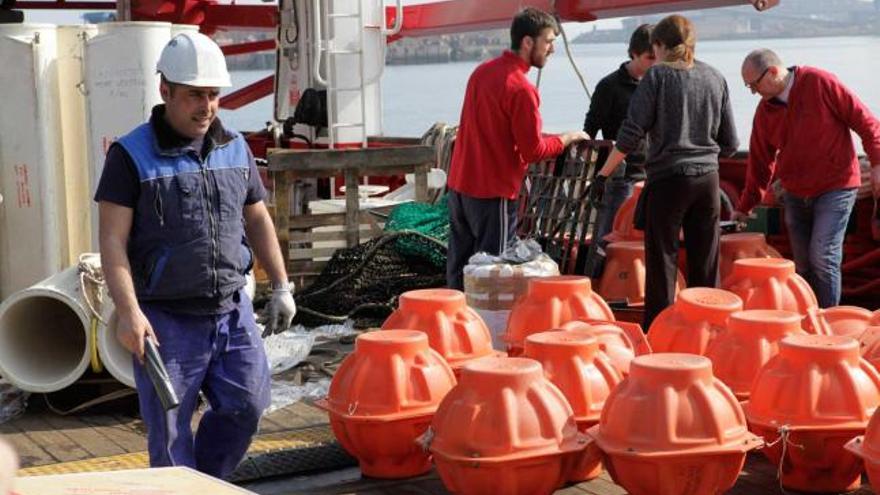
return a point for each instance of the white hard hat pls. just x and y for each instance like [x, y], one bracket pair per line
[195, 60]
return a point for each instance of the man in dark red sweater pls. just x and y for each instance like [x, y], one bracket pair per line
[801, 135]
[498, 136]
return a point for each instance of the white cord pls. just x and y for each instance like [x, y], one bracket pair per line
[571, 59]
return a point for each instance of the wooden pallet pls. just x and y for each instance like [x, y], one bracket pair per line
[299, 235]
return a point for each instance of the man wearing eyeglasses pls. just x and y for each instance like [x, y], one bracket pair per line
[801, 135]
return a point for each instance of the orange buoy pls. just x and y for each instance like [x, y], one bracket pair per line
[505, 429]
[770, 283]
[382, 399]
[549, 303]
[867, 448]
[697, 317]
[573, 362]
[813, 397]
[849, 321]
[742, 245]
[622, 229]
[613, 340]
[671, 416]
[624, 276]
[869, 346]
[454, 330]
[750, 340]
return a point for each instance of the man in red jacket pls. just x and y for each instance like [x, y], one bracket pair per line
[801, 135]
[498, 136]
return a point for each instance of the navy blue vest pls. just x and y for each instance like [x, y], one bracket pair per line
[186, 236]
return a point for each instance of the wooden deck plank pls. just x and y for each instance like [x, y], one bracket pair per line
[29, 452]
[119, 432]
[56, 443]
[84, 435]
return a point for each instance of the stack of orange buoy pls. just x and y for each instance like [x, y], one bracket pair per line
[454, 329]
[549, 303]
[696, 427]
[807, 402]
[505, 429]
[697, 317]
[375, 411]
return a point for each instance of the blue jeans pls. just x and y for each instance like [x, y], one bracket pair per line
[221, 355]
[816, 228]
[616, 192]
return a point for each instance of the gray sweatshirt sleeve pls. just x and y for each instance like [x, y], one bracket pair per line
[727, 138]
[640, 117]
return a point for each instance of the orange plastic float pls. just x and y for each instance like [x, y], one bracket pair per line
[382, 399]
[621, 346]
[549, 303]
[668, 418]
[770, 283]
[742, 245]
[573, 362]
[751, 339]
[817, 394]
[849, 321]
[505, 429]
[623, 229]
[454, 330]
[867, 448]
[869, 342]
[624, 276]
[875, 318]
[697, 317]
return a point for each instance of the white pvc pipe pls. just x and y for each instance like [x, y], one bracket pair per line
[45, 334]
[115, 358]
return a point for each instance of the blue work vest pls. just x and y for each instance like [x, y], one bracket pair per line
[187, 231]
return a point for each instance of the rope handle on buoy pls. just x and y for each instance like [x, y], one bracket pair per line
[784, 437]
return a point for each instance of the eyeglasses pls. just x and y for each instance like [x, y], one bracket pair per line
[754, 84]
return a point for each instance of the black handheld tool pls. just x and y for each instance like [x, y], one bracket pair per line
[159, 376]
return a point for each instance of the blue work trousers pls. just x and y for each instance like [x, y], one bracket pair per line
[816, 228]
[221, 355]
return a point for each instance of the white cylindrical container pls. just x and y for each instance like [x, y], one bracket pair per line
[121, 86]
[183, 28]
[77, 180]
[115, 358]
[45, 333]
[32, 243]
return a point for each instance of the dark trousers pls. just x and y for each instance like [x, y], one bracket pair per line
[476, 224]
[689, 203]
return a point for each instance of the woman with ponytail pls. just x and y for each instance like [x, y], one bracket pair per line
[683, 107]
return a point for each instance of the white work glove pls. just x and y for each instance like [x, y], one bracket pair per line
[279, 311]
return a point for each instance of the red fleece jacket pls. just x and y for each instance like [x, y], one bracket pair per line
[808, 142]
[500, 131]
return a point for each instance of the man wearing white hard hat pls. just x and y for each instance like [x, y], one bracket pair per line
[177, 196]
